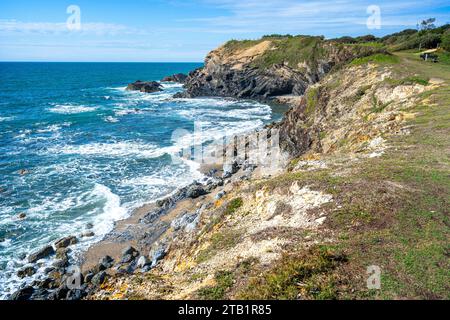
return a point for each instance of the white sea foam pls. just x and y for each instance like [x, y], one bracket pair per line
[111, 119]
[116, 149]
[4, 119]
[71, 109]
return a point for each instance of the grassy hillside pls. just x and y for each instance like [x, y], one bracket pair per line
[393, 212]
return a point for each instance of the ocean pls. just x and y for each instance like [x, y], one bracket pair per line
[77, 149]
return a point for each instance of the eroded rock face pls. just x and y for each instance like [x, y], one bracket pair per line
[145, 86]
[41, 254]
[234, 73]
[179, 77]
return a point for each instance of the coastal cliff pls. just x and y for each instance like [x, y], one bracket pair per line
[364, 184]
[353, 195]
[272, 66]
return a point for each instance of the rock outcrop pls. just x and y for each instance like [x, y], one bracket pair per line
[179, 77]
[145, 86]
[267, 68]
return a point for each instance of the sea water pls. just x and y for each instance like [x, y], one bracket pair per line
[79, 152]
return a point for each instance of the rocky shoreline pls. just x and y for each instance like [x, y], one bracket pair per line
[137, 244]
[63, 281]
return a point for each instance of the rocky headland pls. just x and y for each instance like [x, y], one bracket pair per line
[343, 198]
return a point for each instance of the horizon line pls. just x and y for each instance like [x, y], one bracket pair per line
[43, 61]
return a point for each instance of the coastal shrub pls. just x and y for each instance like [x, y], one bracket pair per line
[292, 51]
[233, 205]
[380, 58]
[219, 241]
[446, 41]
[305, 276]
[312, 97]
[224, 281]
[407, 81]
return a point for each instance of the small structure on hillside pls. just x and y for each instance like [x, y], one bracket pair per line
[430, 55]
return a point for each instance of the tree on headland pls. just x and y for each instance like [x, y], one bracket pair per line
[427, 24]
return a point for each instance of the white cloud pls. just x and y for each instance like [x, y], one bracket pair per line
[97, 28]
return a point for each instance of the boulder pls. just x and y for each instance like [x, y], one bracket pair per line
[26, 272]
[62, 253]
[88, 277]
[22, 294]
[88, 234]
[145, 86]
[107, 261]
[130, 251]
[40, 294]
[220, 195]
[61, 263]
[75, 294]
[179, 77]
[126, 259]
[65, 242]
[22, 215]
[41, 254]
[99, 278]
[142, 262]
[195, 191]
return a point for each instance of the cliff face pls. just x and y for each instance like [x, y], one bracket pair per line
[250, 236]
[269, 67]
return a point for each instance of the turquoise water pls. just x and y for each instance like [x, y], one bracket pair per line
[92, 150]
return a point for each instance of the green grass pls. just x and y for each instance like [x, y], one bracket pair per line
[312, 97]
[291, 50]
[234, 205]
[379, 58]
[296, 276]
[393, 210]
[219, 241]
[224, 281]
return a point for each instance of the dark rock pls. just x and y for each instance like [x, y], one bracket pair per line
[49, 269]
[40, 294]
[88, 277]
[99, 278]
[227, 175]
[22, 216]
[126, 268]
[107, 261]
[179, 77]
[23, 172]
[145, 86]
[2, 240]
[195, 191]
[89, 225]
[75, 294]
[22, 294]
[127, 259]
[41, 254]
[26, 272]
[130, 251]
[62, 253]
[88, 234]
[49, 283]
[61, 263]
[22, 255]
[65, 242]
[60, 293]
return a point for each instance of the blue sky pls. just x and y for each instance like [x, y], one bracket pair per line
[185, 30]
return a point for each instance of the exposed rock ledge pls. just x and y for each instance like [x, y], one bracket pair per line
[145, 86]
[263, 69]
